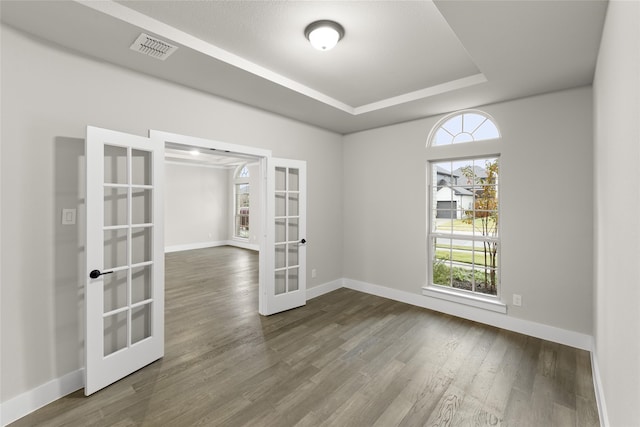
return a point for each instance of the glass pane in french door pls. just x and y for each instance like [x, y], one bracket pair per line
[287, 218]
[127, 245]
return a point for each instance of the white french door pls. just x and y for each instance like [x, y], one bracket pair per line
[124, 290]
[286, 198]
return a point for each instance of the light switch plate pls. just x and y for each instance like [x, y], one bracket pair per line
[68, 216]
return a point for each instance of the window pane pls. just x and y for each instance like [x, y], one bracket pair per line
[115, 165]
[280, 282]
[140, 244]
[487, 130]
[281, 179]
[293, 205]
[280, 253]
[441, 266]
[294, 180]
[462, 137]
[141, 167]
[293, 235]
[453, 125]
[443, 225]
[115, 206]
[140, 323]
[462, 276]
[441, 272]
[281, 231]
[471, 122]
[115, 248]
[293, 255]
[115, 290]
[115, 332]
[140, 283]
[280, 204]
[292, 279]
[487, 281]
[140, 206]
[442, 137]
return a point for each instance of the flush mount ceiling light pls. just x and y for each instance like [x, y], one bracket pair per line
[324, 35]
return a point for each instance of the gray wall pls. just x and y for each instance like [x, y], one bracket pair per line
[197, 206]
[617, 204]
[546, 206]
[49, 96]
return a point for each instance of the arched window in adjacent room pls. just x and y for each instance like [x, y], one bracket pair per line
[243, 172]
[241, 202]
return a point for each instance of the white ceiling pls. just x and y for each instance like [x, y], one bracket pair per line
[179, 153]
[398, 61]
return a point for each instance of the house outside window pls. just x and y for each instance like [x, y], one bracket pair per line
[241, 203]
[463, 209]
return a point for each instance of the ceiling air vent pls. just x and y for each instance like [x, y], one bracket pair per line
[152, 46]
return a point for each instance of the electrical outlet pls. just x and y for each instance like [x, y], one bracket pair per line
[517, 300]
[68, 216]
[314, 273]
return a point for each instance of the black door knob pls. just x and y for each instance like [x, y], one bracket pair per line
[303, 241]
[97, 273]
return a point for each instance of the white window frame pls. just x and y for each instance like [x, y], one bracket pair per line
[488, 148]
[239, 180]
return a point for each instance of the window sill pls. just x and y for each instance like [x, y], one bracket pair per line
[486, 303]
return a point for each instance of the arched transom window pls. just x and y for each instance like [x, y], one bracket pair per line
[243, 172]
[468, 126]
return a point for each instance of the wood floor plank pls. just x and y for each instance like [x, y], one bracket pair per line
[498, 395]
[345, 359]
[369, 402]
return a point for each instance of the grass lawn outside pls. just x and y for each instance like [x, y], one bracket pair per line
[479, 247]
[445, 225]
[464, 256]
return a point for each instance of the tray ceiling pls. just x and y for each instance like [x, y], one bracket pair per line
[398, 61]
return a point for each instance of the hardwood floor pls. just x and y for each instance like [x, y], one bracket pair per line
[345, 359]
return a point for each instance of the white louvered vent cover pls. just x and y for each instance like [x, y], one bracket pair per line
[152, 46]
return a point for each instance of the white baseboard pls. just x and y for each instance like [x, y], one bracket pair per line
[325, 288]
[32, 400]
[499, 320]
[243, 245]
[199, 245]
[597, 386]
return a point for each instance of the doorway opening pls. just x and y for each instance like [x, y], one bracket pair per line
[211, 199]
[183, 148]
[212, 223]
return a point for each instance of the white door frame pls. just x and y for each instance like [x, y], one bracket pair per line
[263, 155]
